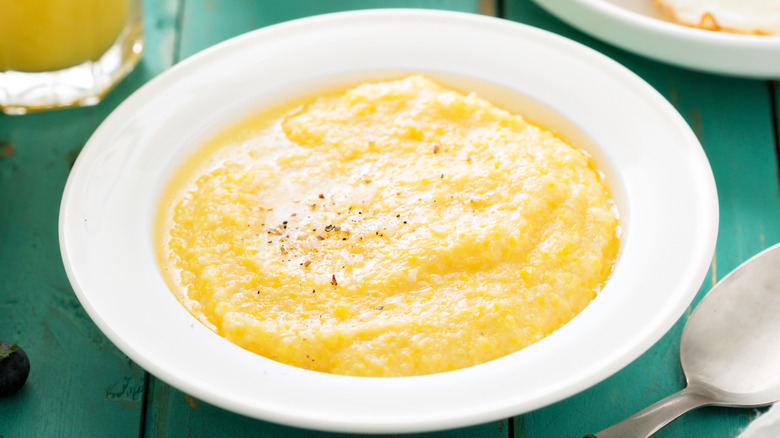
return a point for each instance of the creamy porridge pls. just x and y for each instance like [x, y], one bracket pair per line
[398, 228]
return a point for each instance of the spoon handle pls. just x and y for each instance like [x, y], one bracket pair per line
[651, 419]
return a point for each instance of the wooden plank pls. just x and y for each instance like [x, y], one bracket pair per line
[731, 117]
[205, 23]
[80, 384]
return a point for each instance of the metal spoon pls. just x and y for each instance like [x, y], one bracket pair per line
[730, 349]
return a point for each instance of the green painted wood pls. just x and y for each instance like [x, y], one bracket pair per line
[732, 119]
[207, 22]
[80, 385]
[204, 23]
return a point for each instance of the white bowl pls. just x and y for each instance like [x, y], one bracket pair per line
[637, 26]
[660, 176]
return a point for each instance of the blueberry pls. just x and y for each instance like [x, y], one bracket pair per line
[14, 368]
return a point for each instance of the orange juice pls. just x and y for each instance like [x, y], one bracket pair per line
[47, 35]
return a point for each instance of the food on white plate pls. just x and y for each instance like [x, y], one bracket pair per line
[754, 17]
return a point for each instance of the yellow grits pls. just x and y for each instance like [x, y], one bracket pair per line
[398, 228]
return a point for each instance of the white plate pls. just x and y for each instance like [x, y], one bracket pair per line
[658, 171]
[636, 26]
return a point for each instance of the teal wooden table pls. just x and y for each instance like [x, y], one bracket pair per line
[82, 386]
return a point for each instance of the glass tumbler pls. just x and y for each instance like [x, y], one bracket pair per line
[63, 53]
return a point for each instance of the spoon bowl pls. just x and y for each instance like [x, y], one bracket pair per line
[728, 349]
